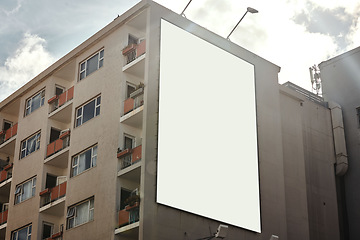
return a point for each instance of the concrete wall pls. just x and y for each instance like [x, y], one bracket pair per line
[341, 84]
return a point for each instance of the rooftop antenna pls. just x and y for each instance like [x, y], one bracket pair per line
[182, 13]
[315, 79]
[250, 10]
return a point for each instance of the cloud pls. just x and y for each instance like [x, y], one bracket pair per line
[13, 9]
[25, 63]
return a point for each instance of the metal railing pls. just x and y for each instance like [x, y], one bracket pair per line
[9, 133]
[135, 100]
[59, 100]
[130, 156]
[51, 194]
[133, 51]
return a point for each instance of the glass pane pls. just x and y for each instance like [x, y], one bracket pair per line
[71, 223]
[31, 144]
[78, 122]
[35, 103]
[82, 160]
[92, 64]
[94, 161]
[89, 111]
[98, 100]
[27, 191]
[101, 54]
[46, 231]
[22, 234]
[75, 161]
[82, 66]
[82, 75]
[82, 213]
[91, 215]
[88, 159]
[79, 112]
[74, 172]
[97, 111]
[101, 63]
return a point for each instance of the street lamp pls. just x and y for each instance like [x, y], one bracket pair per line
[250, 10]
[182, 13]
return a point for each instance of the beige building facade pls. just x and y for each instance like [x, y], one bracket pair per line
[79, 145]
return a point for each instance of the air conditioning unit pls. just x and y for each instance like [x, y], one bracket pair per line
[64, 131]
[60, 180]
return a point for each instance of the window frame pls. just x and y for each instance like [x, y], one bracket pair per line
[15, 233]
[72, 211]
[93, 159]
[80, 116]
[84, 63]
[29, 100]
[51, 231]
[23, 148]
[19, 190]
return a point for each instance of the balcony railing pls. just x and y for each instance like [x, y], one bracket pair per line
[6, 173]
[135, 100]
[129, 215]
[58, 100]
[3, 217]
[133, 51]
[52, 194]
[130, 156]
[9, 133]
[57, 235]
[58, 144]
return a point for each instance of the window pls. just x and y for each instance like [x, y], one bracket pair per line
[22, 234]
[88, 111]
[83, 161]
[47, 230]
[91, 64]
[80, 213]
[25, 190]
[30, 145]
[34, 102]
[358, 116]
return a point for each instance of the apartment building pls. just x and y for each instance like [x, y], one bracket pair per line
[340, 80]
[81, 154]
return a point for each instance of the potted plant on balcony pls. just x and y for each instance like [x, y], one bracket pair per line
[132, 202]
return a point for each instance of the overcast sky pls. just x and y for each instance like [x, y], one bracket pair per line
[294, 34]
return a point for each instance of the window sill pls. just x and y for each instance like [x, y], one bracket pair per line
[83, 172]
[29, 154]
[16, 204]
[79, 225]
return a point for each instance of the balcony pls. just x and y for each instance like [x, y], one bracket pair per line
[134, 56]
[128, 218]
[7, 140]
[60, 106]
[130, 156]
[57, 152]
[3, 217]
[6, 174]
[52, 200]
[57, 235]
[133, 109]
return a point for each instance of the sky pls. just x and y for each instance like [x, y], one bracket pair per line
[293, 34]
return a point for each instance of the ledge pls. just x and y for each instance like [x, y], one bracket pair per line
[127, 228]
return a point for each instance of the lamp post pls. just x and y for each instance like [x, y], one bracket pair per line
[182, 13]
[250, 10]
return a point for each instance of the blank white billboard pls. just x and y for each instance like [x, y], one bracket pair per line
[207, 142]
